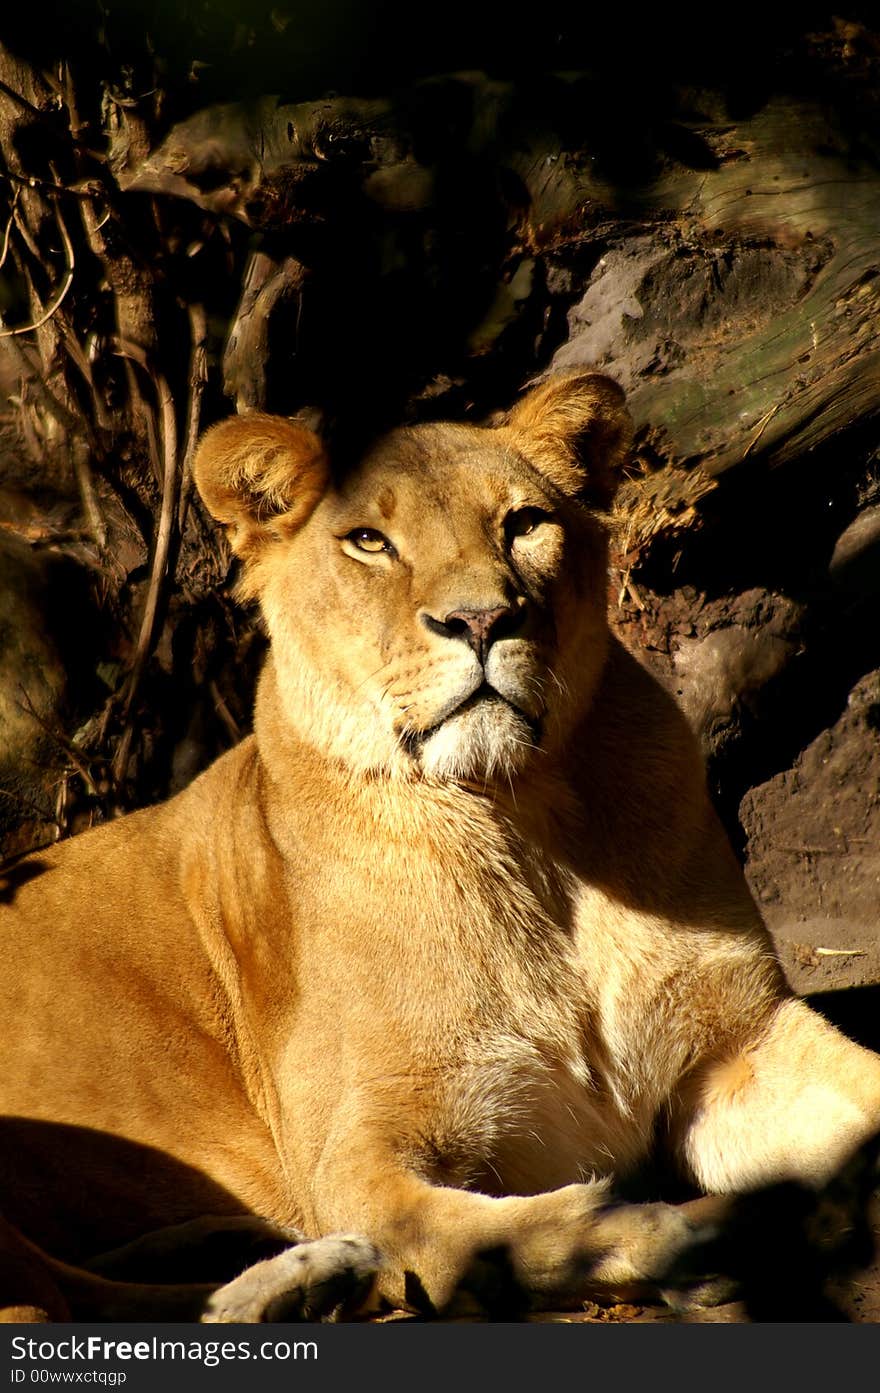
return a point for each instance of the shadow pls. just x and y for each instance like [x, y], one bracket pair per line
[792, 537]
[854, 1010]
[785, 1252]
[77, 1193]
[18, 873]
[791, 1251]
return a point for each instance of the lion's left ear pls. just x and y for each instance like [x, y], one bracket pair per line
[577, 431]
[261, 476]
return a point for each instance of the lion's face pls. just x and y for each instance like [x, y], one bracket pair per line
[449, 598]
[442, 611]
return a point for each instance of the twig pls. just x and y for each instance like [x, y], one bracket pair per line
[79, 359]
[30, 806]
[233, 729]
[67, 92]
[139, 406]
[59, 739]
[68, 282]
[27, 237]
[27, 418]
[809, 850]
[88, 189]
[8, 233]
[22, 101]
[762, 426]
[31, 376]
[61, 801]
[842, 952]
[129, 103]
[198, 376]
[85, 484]
[168, 434]
[633, 591]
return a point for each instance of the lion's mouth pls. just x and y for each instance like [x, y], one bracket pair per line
[413, 740]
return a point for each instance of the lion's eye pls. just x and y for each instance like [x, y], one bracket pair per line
[367, 539]
[522, 522]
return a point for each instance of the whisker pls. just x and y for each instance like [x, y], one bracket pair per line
[512, 790]
[495, 1172]
[370, 676]
[563, 687]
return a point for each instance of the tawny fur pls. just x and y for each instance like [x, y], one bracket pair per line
[416, 960]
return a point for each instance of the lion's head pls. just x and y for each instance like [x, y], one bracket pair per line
[440, 611]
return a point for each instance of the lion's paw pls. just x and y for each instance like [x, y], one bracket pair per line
[308, 1282]
[656, 1243]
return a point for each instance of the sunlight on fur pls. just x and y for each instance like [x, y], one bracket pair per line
[411, 977]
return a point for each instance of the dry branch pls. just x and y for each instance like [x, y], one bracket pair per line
[55, 304]
[198, 377]
[161, 548]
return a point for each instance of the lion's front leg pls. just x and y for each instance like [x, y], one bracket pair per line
[776, 1134]
[794, 1104]
[447, 1250]
[326, 1276]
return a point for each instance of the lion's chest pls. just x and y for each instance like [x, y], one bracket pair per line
[523, 1119]
[458, 992]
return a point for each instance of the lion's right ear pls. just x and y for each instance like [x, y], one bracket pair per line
[261, 476]
[576, 430]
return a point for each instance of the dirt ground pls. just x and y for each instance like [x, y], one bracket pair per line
[813, 851]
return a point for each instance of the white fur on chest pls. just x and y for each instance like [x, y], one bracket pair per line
[480, 964]
[520, 1120]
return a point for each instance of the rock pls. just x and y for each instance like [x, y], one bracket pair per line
[813, 849]
[740, 312]
[727, 667]
[854, 567]
[41, 626]
[32, 678]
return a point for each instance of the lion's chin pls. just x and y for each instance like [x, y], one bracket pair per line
[486, 741]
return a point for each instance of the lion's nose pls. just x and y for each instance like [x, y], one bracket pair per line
[478, 627]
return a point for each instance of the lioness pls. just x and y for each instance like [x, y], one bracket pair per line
[450, 940]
